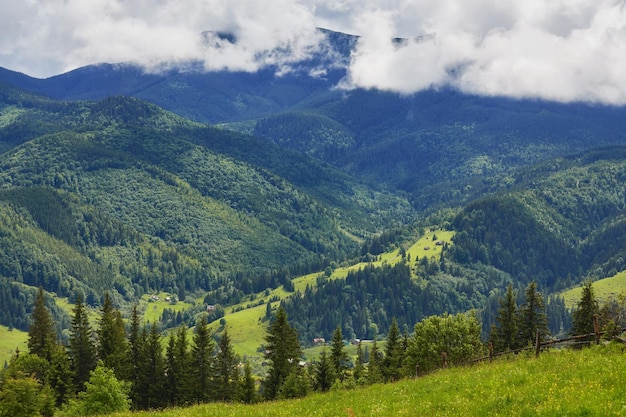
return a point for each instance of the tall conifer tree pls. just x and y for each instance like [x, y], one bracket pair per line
[506, 335]
[282, 352]
[338, 355]
[202, 361]
[359, 369]
[533, 317]
[392, 363]
[374, 366]
[247, 390]
[587, 308]
[81, 350]
[323, 373]
[151, 378]
[226, 378]
[178, 366]
[41, 334]
[112, 344]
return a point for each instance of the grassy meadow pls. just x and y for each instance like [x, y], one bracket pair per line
[588, 382]
[9, 341]
[604, 289]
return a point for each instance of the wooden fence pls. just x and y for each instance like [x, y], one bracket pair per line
[539, 344]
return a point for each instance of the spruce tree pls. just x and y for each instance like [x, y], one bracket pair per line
[359, 369]
[136, 340]
[178, 368]
[151, 379]
[587, 308]
[137, 392]
[374, 366]
[392, 363]
[81, 349]
[202, 361]
[505, 335]
[323, 373]
[533, 317]
[60, 375]
[282, 352]
[183, 366]
[41, 333]
[226, 378]
[338, 355]
[247, 389]
[112, 345]
[172, 378]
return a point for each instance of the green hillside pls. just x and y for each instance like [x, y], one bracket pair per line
[247, 324]
[120, 195]
[604, 289]
[10, 341]
[588, 382]
[562, 221]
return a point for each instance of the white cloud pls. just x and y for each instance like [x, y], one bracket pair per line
[555, 50]
[563, 50]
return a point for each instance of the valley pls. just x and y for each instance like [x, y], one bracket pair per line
[221, 200]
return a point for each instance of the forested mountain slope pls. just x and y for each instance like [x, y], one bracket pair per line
[563, 220]
[121, 194]
[442, 147]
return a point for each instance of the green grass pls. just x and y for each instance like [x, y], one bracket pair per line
[154, 309]
[589, 382]
[9, 341]
[246, 326]
[604, 289]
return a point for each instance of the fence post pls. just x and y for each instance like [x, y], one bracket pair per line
[490, 352]
[444, 357]
[596, 328]
[538, 345]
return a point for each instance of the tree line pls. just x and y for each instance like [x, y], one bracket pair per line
[136, 368]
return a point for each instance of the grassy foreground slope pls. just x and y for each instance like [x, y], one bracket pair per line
[589, 382]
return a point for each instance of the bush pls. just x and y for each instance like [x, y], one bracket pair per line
[103, 394]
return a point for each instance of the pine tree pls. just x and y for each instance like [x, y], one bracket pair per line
[41, 334]
[183, 364]
[247, 389]
[394, 353]
[359, 369]
[338, 356]
[587, 308]
[296, 385]
[136, 340]
[112, 345]
[151, 378]
[282, 352]
[178, 368]
[506, 335]
[202, 361]
[533, 317]
[60, 375]
[323, 373]
[171, 371]
[81, 350]
[374, 367]
[227, 372]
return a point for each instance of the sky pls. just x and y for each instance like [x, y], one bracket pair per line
[558, 50]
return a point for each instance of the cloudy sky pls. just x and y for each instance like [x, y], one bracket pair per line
[562, 50]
